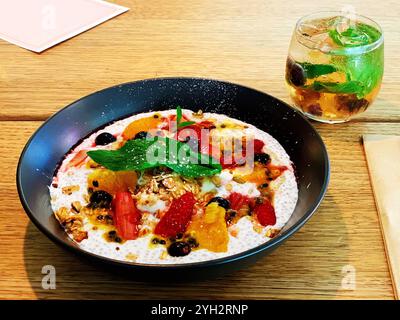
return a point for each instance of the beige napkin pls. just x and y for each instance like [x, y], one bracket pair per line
[383, 158]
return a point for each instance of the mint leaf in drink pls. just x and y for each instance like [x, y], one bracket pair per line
[349, 38]
[315, 70]
[359, 34]
[142, 154]
[373, 33]
[350, 87]
[363, 68]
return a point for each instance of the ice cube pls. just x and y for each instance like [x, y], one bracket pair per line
[317, 31]
[316, 26]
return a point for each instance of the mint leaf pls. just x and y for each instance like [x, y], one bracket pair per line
[142, 154]
[315, 70]
[185, 124]
[373, 33]
[131, 155]
[180, 124]
[363, 69]
[349, 38]
[349, 87]
[335, 36]
[358, 35]
[178, 114]
[191, 171]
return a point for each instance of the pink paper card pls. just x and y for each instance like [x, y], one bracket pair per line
[40, 24]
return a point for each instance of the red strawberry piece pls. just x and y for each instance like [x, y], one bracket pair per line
[195, 130]
[126, 215]
[238, 200]
[258, 146]
[192, 132]
[265, 213]
[198, 136]
[206, 124]
[178, 216]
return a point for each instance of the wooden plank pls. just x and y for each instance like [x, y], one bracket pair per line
[344, 235]
[243, 42]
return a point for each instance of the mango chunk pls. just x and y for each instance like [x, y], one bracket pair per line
[257, 175]
[210, 229]
[143, 124]
[112, 181]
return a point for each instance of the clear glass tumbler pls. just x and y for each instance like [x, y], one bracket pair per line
[334, 67]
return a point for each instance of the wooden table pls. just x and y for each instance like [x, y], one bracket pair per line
[239, 41]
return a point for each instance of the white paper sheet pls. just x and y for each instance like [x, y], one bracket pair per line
[37, 25]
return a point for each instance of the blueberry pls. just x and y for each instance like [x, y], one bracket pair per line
[100, 199]
[221, 202]
[295, 73]
[179, 249]
[104, 138]
[142, 135]
[262, 158]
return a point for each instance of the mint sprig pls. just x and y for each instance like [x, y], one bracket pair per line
[180, 124]
[315, 70]
[364, 70]
[349, 87]
[354, 36]
[142, 154]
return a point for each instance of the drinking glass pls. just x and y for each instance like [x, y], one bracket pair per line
[334, 67]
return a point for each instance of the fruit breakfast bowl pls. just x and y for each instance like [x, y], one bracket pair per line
[91, 119]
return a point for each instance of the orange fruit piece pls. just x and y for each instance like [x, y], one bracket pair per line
[112, 181]
[210, 229]
[143, 124]
[258, 175]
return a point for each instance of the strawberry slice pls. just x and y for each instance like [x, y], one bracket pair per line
[126, 215]
[258, 146]
[178, 216]
[265, 213]
[194, 131]
[238, 200]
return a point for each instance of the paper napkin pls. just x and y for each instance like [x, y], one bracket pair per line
[383, 158]
[40, 24]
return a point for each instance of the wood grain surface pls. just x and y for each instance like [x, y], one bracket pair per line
[240, 41]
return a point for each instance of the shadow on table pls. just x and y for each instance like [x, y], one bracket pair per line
[304, 266]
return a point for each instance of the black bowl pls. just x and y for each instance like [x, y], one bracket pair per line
[58, 134]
